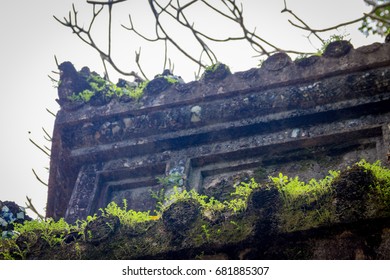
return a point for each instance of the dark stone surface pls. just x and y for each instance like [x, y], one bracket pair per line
[370, 48]
[352, 188]
[307, 61]
[157, 85]
[301, 119]
[71, 82]
[180, 216]
[277, 62]
[99, 230]
[216, 73]
[100, 99]
[338, 49]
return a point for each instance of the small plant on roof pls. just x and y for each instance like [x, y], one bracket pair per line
[332, 38]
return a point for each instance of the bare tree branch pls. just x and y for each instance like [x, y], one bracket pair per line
[137, 58]
[30, 206]
[50, 112]
[47, 135]
[86, 36]
[178, 11]
[306, 27]
[39, 147]
[39, 179]
[371, 14]
[105, 3]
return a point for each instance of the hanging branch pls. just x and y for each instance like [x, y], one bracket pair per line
[286, 10]
[371, 15]
[30, 206]
[137, 58]
[47, 136]
[105, 3]
[166, 37]
[46, 150]
[50, 112]
[39, 179]
[86, 34]
[40, 148]
[178, 11]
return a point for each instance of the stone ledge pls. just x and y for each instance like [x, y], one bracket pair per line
[286, 114]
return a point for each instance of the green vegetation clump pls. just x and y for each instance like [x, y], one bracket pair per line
[98, 85]
[126, 217]
[84, 96]
[331, 39]
[209, 205]
[53, 232]
[321, 50]
[313, 204]
[48, 233]
[171, 79]
[380, 196]
[299, 206]
[215, 67]
[211, 68]
[305, 205]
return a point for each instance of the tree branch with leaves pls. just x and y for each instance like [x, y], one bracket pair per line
[377, 16]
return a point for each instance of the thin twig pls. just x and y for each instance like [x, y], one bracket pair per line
[86, 36]
[105, 3]
[306, 27]
[137, 59]
[30, 206]
[39, 147]
[56, 60]
[52, 79]
[39, 179]
[47, 134]
[50, 112]
[365, 15]
[177, 11]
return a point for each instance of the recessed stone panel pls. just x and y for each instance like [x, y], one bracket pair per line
[301, 120]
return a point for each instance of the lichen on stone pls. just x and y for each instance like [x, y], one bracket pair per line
[192, 225]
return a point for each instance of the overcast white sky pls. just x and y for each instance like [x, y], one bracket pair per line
[30, 38]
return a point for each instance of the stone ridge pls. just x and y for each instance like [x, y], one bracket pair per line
[301, 118]
[278, 70]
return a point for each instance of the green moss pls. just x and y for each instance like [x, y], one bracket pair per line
[99, 85]
[134, 93]
[212, 207]
[214, 67]
[303, 205]
[171, 80]
[138, 92]
[126, 217]
[233, 230]
[332, 38]
[84, 96]
[310, 205]
[51, 231]
[380, 195]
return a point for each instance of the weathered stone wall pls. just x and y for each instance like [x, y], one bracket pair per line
[300, 118]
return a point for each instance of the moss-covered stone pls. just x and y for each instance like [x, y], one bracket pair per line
[286, 219]
[352, 188]
[216, 72]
